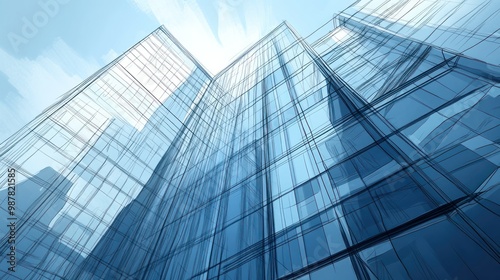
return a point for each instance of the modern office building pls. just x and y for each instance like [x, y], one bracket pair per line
[359, 153]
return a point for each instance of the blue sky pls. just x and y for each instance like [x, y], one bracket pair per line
[49, 46]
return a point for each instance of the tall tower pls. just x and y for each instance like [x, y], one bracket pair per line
[363, 154]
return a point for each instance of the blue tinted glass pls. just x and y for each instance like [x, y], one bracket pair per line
[366, 150]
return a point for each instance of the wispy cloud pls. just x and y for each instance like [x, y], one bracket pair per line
[213, 31]
[109, 56]
[39, 82]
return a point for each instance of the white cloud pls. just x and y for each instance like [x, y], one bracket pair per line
[110, 56]
[40, 82]
[239, 24]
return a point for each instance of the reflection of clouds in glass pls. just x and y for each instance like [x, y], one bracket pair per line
[468, 27]
[340, 34]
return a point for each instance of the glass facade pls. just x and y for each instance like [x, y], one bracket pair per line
[358, 155]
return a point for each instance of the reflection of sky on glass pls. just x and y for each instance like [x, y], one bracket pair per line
[52, 45]
[48, 46]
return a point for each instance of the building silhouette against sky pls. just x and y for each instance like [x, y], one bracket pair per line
[357, 153]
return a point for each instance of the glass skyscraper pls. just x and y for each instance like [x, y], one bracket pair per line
[359, 153]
